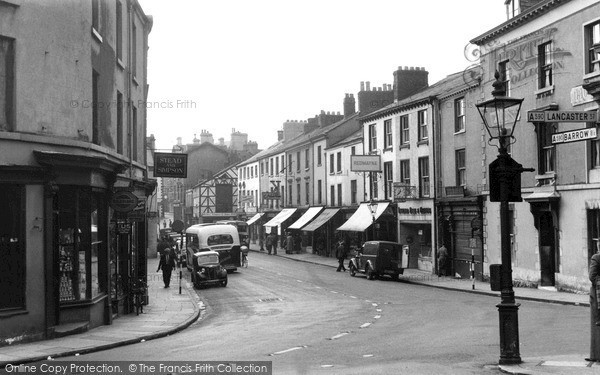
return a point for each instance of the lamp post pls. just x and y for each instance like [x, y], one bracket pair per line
[373, 209]
[500, 115]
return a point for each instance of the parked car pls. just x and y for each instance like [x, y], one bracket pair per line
[207, 270]
[379, 258]
[222, 238]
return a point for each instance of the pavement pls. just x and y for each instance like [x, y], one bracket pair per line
[170, 311]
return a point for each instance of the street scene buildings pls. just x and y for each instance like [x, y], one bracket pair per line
[82, 207]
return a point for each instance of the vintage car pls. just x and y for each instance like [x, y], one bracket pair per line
[222, 238]
[379, 258]
[207, 270]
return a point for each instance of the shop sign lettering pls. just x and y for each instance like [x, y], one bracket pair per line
[415, 211]
[170, 165]
[123, 201]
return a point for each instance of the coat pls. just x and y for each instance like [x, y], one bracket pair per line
[167, 260]
[595, 315]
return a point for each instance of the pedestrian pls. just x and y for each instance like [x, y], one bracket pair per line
[297, 248]
[275, 240]
[594, 275]
[167, 263]
[261, 242]
[269, 243]
[340, 254]
[442, 260]
[289, 243]
[162, 245]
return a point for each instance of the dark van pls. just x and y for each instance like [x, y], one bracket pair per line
[379, 258]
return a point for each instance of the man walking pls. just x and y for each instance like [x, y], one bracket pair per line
[340, 254]
[167, 263]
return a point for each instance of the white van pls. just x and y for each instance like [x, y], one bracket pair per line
[222, 238]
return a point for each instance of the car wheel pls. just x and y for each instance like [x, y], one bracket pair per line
[369, 272]
[352, 270]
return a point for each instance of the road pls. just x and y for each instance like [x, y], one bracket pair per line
[309, 319]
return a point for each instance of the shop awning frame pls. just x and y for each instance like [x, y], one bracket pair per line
[363, 218]
[255, 218]
[310, 214]
[325, 215]
[282, 216]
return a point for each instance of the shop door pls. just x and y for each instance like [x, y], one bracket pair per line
[547, 249]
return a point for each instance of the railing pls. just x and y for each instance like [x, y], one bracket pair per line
[403, 192]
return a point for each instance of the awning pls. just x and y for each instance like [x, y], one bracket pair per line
[363, 218]
[304, 219]
[282, 216]
[254, 218]
[323, 218]
[542, 196]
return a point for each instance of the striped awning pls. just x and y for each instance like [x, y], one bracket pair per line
[255, 218]
[321, 220]
[282, 216]
[363, 218]
[307, 217]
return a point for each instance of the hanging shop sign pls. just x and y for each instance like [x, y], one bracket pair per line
[170, 165]
[123, 227]
[365, 163]
[562, 116]
[123, 201]
[575, 135]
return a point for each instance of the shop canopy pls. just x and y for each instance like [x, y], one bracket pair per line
[363, 218]
[282, 216]
[304, 219]
[323, 218]
[255, 218]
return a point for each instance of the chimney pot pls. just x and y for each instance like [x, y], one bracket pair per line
[368, 88]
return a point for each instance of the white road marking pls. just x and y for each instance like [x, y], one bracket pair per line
[339, 335]
[365, 325]
[333, 291]
[367, 355]
[288, 350]
[353, 297]
[374, 304]
[326, 366]
[377, 317]
[378, 310]
[300, 281]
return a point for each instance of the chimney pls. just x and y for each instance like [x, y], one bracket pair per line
[362, 86]
[349, 105]
[369, 101]
[196, 140]
[221, 141]
[368, 86]
[178, 141]
[407, 81]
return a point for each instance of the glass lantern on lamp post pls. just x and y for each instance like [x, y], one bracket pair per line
[373, 209]
[500, 116]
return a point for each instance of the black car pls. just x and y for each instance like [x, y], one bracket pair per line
[379, 258]
[207, 270]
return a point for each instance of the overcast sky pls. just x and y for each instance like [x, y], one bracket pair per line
[251, 65]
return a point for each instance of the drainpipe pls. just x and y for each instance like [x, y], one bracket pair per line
[129, 79]
[436, 153]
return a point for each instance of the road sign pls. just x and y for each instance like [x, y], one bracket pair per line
[575, 135]
[365, 163]
[562, 116]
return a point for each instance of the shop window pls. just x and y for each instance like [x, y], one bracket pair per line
[12, 251]
[7, 54]
[81, 241]
[593, 232]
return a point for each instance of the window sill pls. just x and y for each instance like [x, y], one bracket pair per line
[404, 146]
[306, 169]
[591, 75]
[120, 64]
[423, 142]
[96, 35]
[460, 132]
[13, 312]
[387, 149]
[546, 91]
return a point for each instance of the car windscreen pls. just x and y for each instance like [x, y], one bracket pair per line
[205, 259]
[219, 239]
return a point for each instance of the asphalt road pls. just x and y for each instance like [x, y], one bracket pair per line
[309, 319]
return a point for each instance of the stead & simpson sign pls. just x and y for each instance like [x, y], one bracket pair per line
[170, 165]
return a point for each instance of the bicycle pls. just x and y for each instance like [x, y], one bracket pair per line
[137, 291]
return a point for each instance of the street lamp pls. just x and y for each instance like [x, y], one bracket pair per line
[373, 209]
[500, 115]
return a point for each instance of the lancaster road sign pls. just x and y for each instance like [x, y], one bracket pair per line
[562, 116]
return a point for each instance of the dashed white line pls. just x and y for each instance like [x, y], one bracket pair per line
[339, 335]
[367, 355]
[374, 304]
[365, 325]
[353, 297]
[288, 350]
[377, 317]
[300, 281]
[378, 310]
[333, 291]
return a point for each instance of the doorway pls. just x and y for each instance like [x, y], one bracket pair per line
[547, 244]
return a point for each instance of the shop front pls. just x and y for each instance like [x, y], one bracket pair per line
[322, 231]
[278, 224]
[304, 239]
[374, 220]
[460, 230]
[255, 230]
[415, 231]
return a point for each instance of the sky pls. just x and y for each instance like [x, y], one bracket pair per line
[252, 65]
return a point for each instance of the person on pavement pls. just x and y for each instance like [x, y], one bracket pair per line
[289, 243]
[340, 254]
[442, 260]
[269, 243]
[594, 275]
[167, 263]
